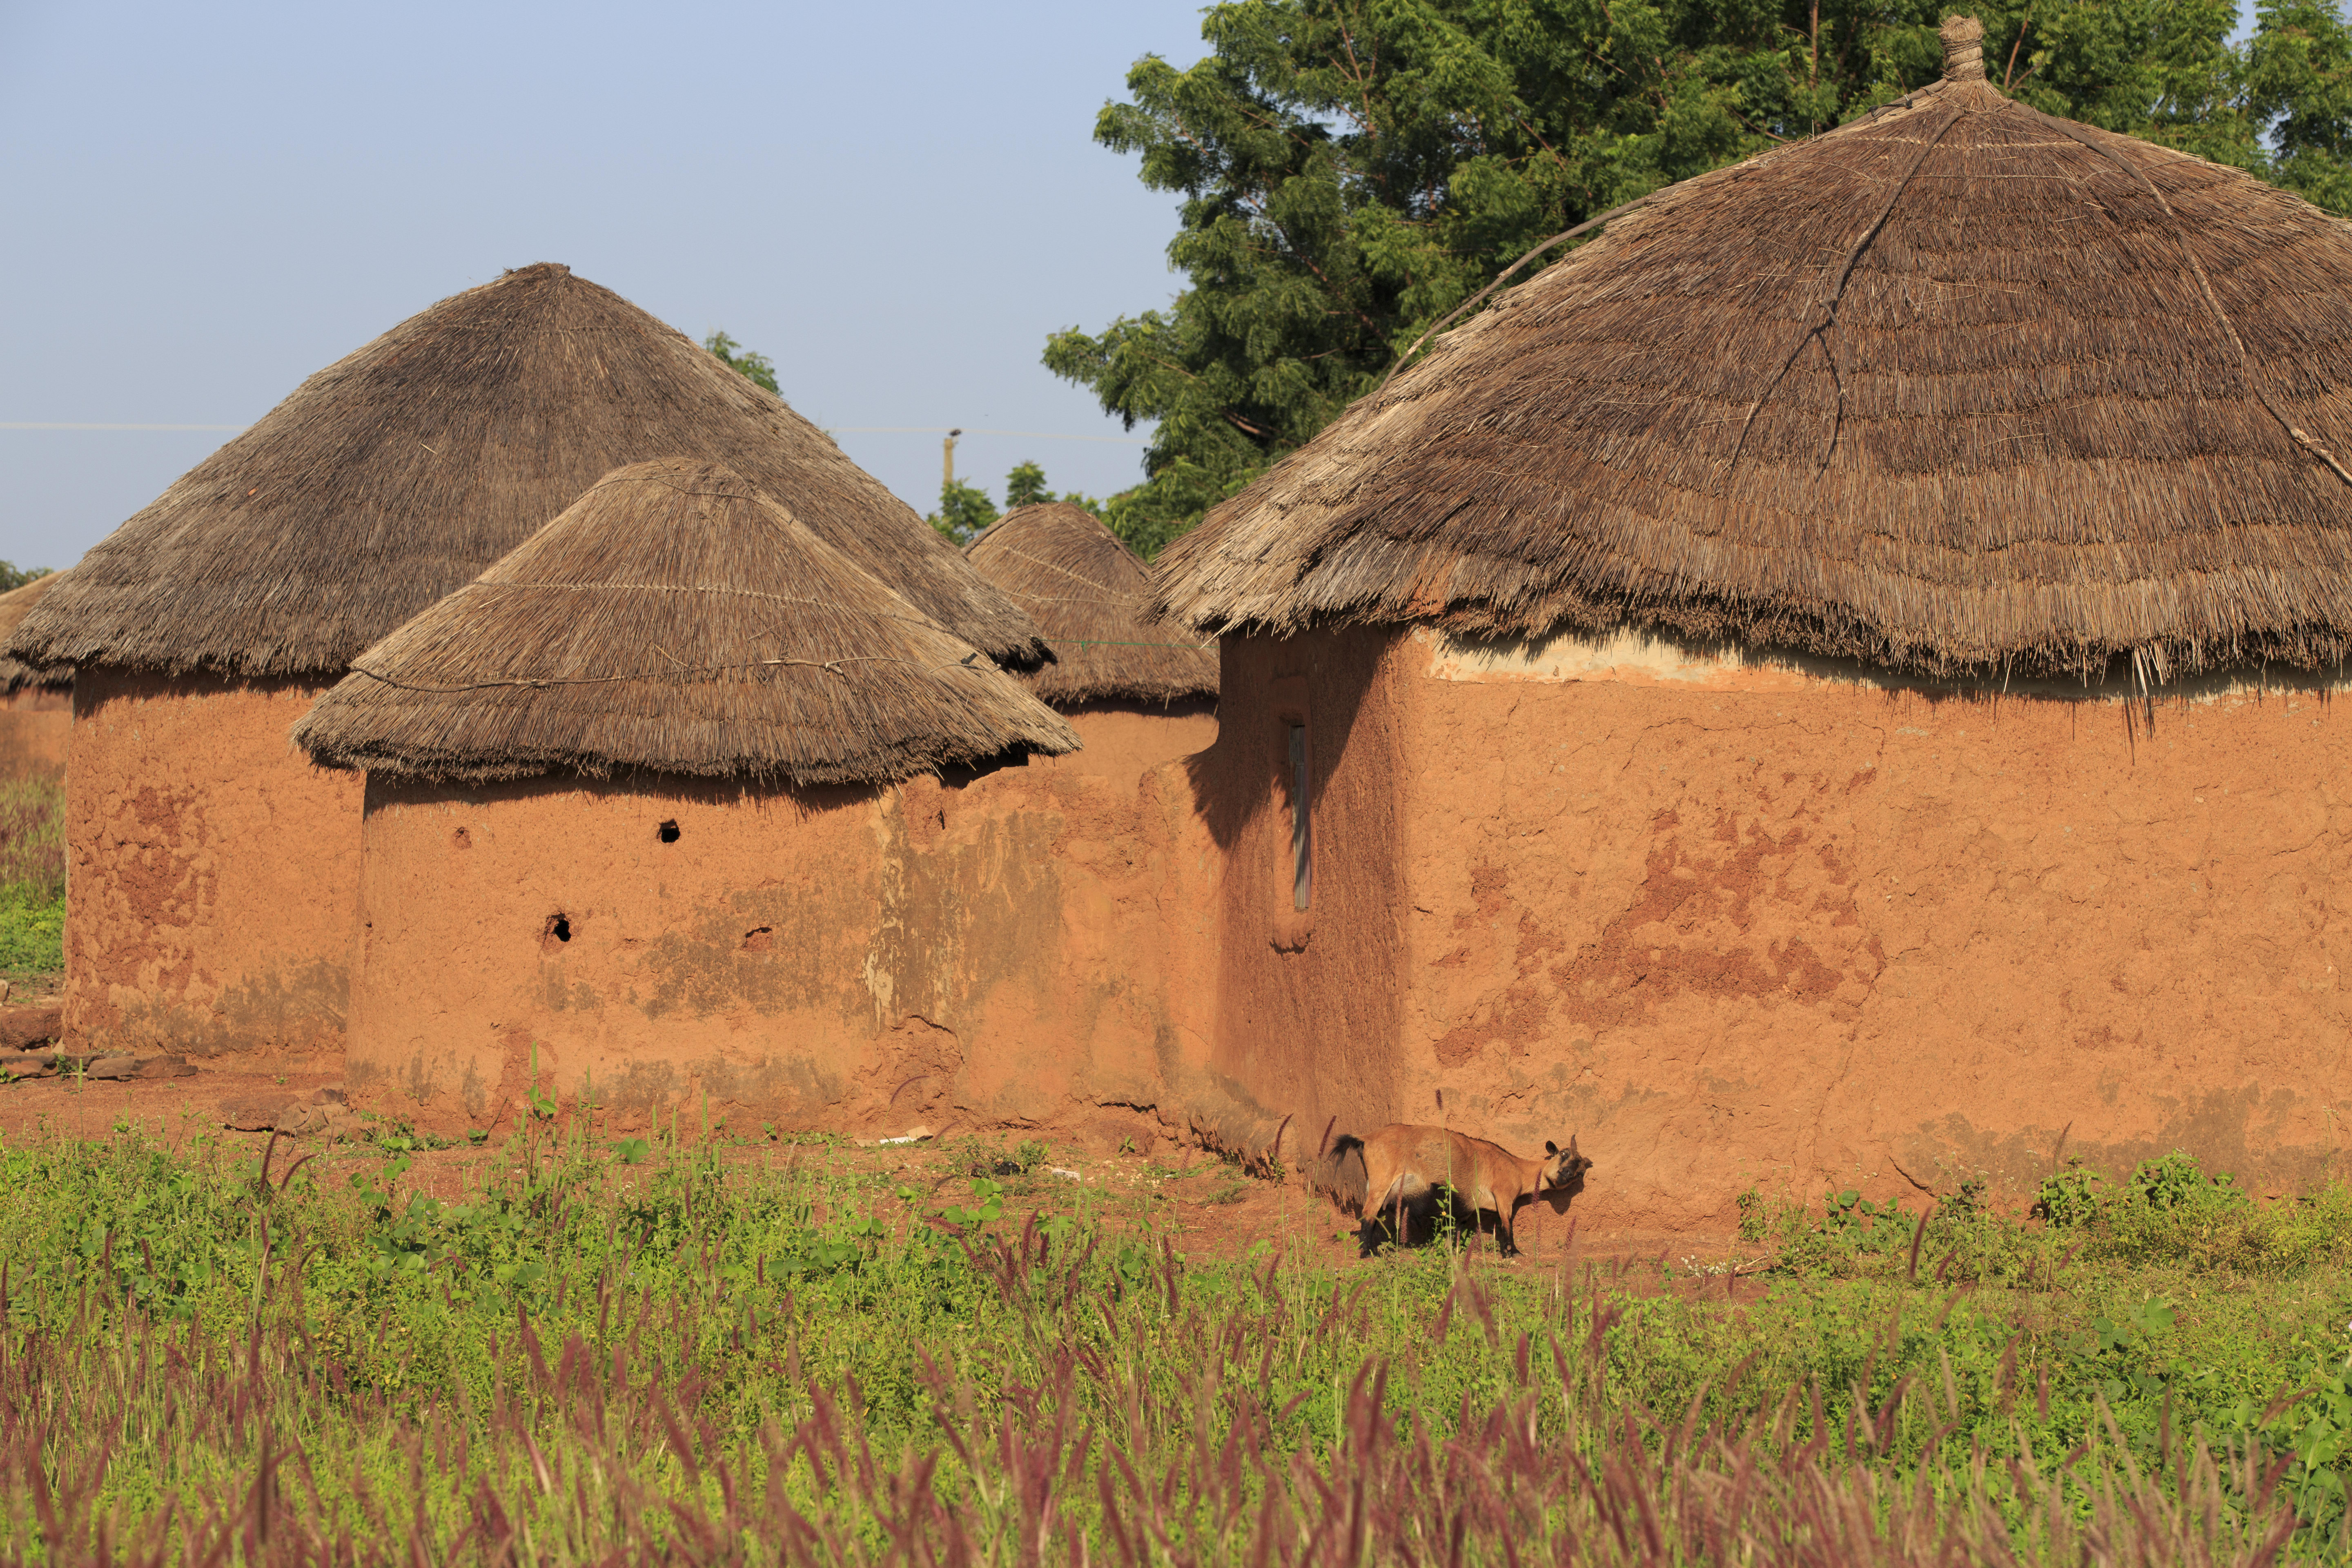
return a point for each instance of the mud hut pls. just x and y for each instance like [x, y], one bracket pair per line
[221, 913]
[36, 705]
[1138, 692]
[1827, 682]
[628, 799]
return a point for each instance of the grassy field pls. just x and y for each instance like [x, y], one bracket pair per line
[756, 1352]
[32, 877]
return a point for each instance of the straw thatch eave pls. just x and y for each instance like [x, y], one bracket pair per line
[393, 477]
[16, 675]
[1091, 596]
[1957, 389]
[675, 619]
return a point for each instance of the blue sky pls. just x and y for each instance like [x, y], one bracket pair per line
[897, 203]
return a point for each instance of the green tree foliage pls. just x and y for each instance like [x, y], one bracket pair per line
[1352, 170]
[15, 576]
[758, 369]
[1026, 486]
[965, 510]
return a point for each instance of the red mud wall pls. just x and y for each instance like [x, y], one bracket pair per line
[213, 872]
[1125, 740]
[35, 725]
[1310, 1010]
[1740, 924]
[996, 954]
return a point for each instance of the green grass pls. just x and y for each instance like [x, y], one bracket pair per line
[665, 1347]
[32, 877]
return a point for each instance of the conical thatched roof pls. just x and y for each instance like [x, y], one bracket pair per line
[392, 477]
[14, 673]
[675, 619]
[1957, 387]
[1092, 598]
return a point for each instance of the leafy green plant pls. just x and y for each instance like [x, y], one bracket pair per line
[2119, 1345]
[2317, 1428]
[1755, 1215]
[2176, 1182]
[2072, 1197]
[986, 1207]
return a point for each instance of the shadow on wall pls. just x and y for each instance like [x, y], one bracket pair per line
[1309, 1007]
[1234, 777]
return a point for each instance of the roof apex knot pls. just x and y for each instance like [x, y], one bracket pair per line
[1963, 48]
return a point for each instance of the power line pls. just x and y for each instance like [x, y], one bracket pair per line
[55, 424]
[830, 430]
[967, 430]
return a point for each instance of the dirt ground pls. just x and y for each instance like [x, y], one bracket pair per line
[1137, 1182]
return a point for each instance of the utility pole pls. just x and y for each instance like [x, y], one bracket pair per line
[946, 461]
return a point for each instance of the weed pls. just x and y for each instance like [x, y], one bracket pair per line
[32, 875]
[680, 1358]
[2072, 1197]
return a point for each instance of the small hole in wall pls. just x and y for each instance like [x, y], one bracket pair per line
[667, 833]
[559, 927]
[461, 839]
[759, 941]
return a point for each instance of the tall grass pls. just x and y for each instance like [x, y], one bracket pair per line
[705, 1357]
[32, 875]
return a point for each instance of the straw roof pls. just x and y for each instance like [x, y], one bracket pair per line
[1091, 596]
[1958, 387]
[394, 475]
[675, 618]
[14, 673]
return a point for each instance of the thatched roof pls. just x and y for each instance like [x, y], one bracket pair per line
[392, 477]
[1957, 387]
[675, 619]
[1091, 596]
[14, 673]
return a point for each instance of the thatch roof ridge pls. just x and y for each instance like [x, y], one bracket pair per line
[1091, 597]
[14, 673]
[1957, 388]
[675, 619]
[393, 476]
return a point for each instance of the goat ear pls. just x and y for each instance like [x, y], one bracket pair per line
[1550, 1147]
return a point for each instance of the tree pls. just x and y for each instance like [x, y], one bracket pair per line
[1026, 486]
[13, 576]
[1352, 170]
[965, 510]
[757, 369]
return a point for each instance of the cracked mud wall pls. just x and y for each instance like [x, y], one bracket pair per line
[865, 960]
[213, 870]
[1311, 1003]
[1741, 922]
